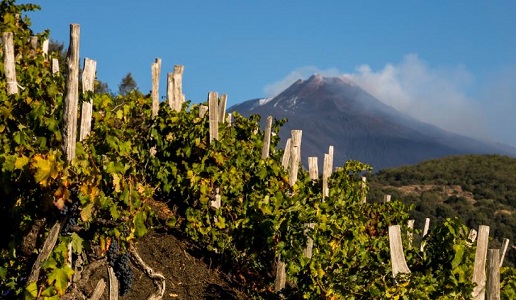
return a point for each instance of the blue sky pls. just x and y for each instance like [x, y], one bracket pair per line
[450, 63]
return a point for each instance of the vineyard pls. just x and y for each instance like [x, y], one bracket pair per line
[84, 175]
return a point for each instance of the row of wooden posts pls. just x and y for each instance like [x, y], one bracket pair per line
[217, 114]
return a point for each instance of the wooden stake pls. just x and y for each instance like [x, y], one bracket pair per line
[281, 276]
[286, 155]
[503, 250]
[44, 47]
[72, 94]
[326, 175]
[330, 162]
[398, 262]
[386, 198]
[113, 284]
[222, 108]
[229, 119]
[33, 42]
[55, 66]
[156, 71]
[213, 101]
[267, 138]
[9, 63]
[410, 233]
[203, 109]
[479, 268]
[425, 232]
[48, 246]
[307, 252]
[175, 89]
[313, 168]
[472, 236]
[88, 85]
[295, 155]
[99, 290]
[493, 274]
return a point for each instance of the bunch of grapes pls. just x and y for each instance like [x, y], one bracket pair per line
[73, 216]
[121, 264]
[124, 273]
[112, 254]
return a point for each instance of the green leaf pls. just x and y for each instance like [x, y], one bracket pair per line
[77, 243]
[139, 224]
[31, 291]
[60, 277]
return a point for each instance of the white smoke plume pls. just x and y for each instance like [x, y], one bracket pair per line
[436, 95]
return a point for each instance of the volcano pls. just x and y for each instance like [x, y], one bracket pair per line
[335, 111]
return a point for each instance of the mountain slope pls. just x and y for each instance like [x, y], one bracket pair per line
[478, 189]
[335, 111]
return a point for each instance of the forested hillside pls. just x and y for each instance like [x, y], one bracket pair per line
[478, 189]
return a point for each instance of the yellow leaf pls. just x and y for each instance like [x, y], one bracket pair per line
[116, 182]
[86, 212]
[46, 167]
[21, 162]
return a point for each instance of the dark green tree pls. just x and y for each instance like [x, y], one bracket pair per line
[127, 85]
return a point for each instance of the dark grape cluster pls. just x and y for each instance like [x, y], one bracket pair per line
[124, 273]
[73, 216]
[112, 254]
[121, 264]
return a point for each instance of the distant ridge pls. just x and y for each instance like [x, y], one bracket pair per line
[335, 111]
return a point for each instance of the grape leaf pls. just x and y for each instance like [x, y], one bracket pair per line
[21, 162]
[60, 277]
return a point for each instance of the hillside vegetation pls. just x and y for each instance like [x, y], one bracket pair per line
[478, 189]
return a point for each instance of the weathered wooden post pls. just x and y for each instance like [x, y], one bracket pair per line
[222, 108]
[175, 88]
[44, 47]
[213, 102]
[266, 138]
[313, 168]
[503, 249]
[386, 198]
[295, 155]
[398, 262]
[229, 119]
[72, 94]
[113, 284]
[88, 85]
[425, 232]
[156, 71]
[203, 109]
[217, 201]
[33, 40]
[479, 268]
[410, 233]
[493, 274]
[330, 162]
[307, 252]
[326, 173]
[55, 66]
[9, 63]
[286, 155]
[472, 236]
[99, 290]
[69, 138]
